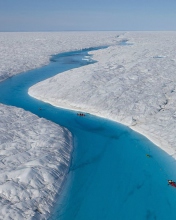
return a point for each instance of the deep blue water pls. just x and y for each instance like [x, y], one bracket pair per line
[111, 177]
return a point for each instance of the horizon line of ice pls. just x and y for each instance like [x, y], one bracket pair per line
[22, 51]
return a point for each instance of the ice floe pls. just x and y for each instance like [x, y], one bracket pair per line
[132, 83]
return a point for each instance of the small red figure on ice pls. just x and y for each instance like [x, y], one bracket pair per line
[172, 183]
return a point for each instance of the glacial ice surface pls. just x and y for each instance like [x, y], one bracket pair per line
[133, 84]
[34, 160]
[22, 51]
[35, 153]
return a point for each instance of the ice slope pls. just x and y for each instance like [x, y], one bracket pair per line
[134, 84]
[34, 160]
[20, 52]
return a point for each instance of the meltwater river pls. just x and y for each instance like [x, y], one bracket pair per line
[115, 172]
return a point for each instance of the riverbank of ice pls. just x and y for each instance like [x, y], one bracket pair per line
[35, 153]
[132, 84]
[34, 160]
[22, 51]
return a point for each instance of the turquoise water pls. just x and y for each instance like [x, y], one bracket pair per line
[110, 175]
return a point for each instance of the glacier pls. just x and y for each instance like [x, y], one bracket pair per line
[34, 160]
[133, 84]
[35, 153]
[22, 51]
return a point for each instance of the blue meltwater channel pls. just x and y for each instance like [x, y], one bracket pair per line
[115, 173]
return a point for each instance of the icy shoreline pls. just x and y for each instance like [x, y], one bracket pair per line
[132, 84]
[22, 51]
[35, 156]
[31, 182]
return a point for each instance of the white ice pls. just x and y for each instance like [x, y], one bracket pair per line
[34, 153]
[20, 52]
[132, 84]
[34, 160]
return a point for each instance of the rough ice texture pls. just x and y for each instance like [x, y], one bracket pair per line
[34, 157]
[133, 84]
[20, 52]
[34, 160]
